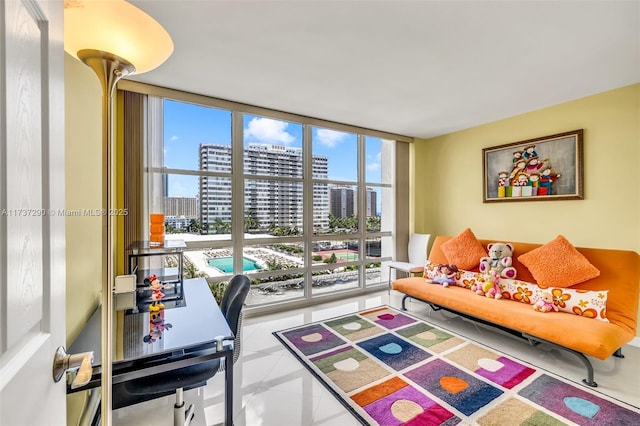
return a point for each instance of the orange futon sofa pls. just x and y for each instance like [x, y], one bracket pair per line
[619, 280]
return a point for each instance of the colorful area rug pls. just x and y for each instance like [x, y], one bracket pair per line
[389, 368]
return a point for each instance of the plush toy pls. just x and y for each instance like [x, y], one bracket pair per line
[545, 303]
[488, 285]
[499, 259]
[446, 274]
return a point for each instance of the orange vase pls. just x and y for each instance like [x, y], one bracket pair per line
[156, 229]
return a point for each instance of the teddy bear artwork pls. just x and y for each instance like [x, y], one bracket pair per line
[529, 175]
[499, 260]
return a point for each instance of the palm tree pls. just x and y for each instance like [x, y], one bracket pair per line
[194, 226]
[250, 221]
[373, 223]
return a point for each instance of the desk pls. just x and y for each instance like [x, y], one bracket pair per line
[143, 250]
[145, 343]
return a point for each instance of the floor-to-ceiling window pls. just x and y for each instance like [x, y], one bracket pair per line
[306, 208]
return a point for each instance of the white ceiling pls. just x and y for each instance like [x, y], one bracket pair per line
[419, 68]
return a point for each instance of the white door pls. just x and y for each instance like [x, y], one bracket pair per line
[32, 240]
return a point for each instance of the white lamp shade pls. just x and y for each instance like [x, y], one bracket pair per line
[116, 27]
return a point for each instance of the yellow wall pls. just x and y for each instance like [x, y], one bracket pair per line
[83, 152]
[447, 182]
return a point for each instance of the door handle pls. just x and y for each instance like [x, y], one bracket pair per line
[63, 362]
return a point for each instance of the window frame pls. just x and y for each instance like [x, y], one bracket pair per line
[237, 240]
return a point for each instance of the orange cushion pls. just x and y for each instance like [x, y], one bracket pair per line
[558, 264]
[464, 250]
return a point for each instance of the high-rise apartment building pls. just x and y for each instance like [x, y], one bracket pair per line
[343, 201]
[268, 202]
[181, 206]
[371, 202]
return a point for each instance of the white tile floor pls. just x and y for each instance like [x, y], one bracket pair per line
[273, 388]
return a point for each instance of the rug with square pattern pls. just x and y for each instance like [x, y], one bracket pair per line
[390, 368]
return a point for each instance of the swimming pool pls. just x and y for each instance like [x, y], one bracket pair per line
[225, 264]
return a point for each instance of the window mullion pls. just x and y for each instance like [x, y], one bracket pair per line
[307, 210]
[362, 210]
[237, 190]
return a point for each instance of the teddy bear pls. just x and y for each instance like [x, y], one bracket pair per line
[499, 259]
[488, 286]
[545, 303]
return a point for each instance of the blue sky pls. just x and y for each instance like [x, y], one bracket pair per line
[186, 126]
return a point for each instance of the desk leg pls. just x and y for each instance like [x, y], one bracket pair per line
[228, 391]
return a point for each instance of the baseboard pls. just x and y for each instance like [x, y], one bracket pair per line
[635, 342]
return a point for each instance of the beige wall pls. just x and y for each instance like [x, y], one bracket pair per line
[447, 183]
[83, 191]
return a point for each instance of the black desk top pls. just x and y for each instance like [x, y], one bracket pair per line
[189, 319]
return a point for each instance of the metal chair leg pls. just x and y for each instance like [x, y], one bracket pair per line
[182, 417]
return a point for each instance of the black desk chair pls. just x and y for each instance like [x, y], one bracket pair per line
[152, 387]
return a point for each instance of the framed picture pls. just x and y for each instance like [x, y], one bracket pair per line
[541, 169]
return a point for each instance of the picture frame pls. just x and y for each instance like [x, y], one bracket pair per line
[541, 169]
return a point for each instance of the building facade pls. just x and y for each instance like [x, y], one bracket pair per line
[343, 201]
[268, 203]
[181, 206]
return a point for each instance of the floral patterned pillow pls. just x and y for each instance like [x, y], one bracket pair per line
[519, 291]
[430, 270]
[586, 303]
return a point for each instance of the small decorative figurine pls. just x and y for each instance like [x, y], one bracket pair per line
[446, 275]
[156, 286]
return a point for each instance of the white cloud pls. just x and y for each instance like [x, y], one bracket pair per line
[330, 138]
[269, 131]
[174, 138]
[374, 165]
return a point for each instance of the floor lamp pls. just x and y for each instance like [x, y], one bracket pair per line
[115, 39]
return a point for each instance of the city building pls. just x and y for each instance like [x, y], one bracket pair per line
[181, 206]
[178, 222]
[267, 202]
[343, 201]
[371, 202]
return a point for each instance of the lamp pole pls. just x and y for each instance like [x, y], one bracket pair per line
[109, 68]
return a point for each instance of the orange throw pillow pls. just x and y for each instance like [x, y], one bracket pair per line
[464, 250]
[558, 264]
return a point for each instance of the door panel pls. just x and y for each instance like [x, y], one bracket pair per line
[32, 262]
